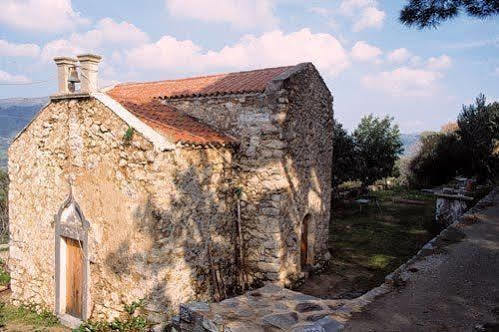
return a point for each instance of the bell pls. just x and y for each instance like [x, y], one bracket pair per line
[73, 76]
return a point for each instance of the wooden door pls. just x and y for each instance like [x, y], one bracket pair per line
[74, 278]
[304, 243]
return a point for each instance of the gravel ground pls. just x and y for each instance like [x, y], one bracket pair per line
[454, 290]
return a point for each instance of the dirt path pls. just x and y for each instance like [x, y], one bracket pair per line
[457, 290]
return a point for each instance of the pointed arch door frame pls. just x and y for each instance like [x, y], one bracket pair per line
[71, 226]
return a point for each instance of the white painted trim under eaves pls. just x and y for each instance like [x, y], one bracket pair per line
[160, 142]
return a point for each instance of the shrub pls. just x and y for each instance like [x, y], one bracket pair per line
[479, 130]
[133, 321]
[441, 156]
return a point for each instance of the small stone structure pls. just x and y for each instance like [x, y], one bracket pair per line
[171, 191]
[270, 308]
[450, 205]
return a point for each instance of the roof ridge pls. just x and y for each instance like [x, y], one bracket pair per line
[202, 76]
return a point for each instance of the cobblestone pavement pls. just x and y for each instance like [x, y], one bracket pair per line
[455, 289]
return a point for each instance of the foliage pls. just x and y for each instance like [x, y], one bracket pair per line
[4, 275]
[479, 130]
[27, 315]
[133, 321]
[4, 184]
[127, 137]
[344, 157]
[441, 156]
[430, 13]
[378, 146]
[466, 147]
[449, 127]
[402, 172]
[4, 214]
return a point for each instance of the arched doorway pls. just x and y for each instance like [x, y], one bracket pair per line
[305, 243]
[71, 263]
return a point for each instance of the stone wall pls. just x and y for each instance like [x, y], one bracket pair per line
[308, 132]
[162, 224]
[283, 168]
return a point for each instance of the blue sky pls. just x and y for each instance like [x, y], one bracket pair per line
[371, 63]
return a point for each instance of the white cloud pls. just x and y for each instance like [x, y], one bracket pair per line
[11, 49]
[404, 81]
[10, 78]
[362, 51]
[441, 62]
[273, 48]
[240, 13]
[363, 13]
[167, 53]
[107, 32]
[370, 17]
[348, 7]
[399, 55]
[60, 47]
[40, 15]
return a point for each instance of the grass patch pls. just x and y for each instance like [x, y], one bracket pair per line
[376, 243]
[4, 275]
[26, 315]
[369, 243]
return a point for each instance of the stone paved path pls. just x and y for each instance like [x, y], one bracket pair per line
[454, 290]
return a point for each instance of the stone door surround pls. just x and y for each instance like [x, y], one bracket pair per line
[70, 223]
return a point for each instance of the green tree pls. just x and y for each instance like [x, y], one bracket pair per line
[4, 187]
[479, 130]
[378, 145]
[441, 156]
[344, 157]
[430, 13]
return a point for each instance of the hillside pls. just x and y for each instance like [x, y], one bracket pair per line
[15, 114]
[409, 140]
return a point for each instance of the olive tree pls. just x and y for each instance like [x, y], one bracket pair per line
[378, 145]
[344, 157]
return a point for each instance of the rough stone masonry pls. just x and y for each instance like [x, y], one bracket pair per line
[170, 195]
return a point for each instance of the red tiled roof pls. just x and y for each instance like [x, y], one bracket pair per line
[241, 82]
[175, 124]
[141, 100]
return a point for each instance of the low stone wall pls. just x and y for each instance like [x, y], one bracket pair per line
[450, 207]
[270, 308]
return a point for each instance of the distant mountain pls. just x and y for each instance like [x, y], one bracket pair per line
[15, 114]
[409, 141]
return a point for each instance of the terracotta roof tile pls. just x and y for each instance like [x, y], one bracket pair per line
[174, 124]
[142, 100]
[241, 82]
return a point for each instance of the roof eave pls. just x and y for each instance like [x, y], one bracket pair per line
[160, 142]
